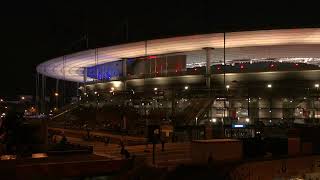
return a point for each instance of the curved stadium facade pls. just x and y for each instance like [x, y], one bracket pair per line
[268, 76]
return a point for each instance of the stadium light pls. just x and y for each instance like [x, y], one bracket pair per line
[269, 85]
[186, 87]
[316, 85]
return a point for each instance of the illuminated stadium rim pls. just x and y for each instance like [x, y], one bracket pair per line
[71, 67]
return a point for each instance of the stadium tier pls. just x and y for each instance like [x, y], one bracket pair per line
[234, 78]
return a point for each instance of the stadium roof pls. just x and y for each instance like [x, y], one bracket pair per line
[285, 43]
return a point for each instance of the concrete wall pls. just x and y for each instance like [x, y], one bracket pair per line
[276, 169]
[218, 149]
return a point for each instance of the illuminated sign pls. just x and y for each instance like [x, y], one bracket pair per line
[238, 126]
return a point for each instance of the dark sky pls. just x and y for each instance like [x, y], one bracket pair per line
[32, 33]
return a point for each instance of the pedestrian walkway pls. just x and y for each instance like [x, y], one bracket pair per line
[173, 154]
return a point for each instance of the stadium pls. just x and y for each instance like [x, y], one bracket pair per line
[196, 87]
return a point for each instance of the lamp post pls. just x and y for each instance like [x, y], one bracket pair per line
[56, 94]
[269, 86]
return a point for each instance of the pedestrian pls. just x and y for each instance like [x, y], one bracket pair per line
[126, 154]
[106, 140]
[122, 150]
[162, 143]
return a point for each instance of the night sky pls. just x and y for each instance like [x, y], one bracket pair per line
[32, 33]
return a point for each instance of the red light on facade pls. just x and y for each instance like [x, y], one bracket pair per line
[152, 57]
[272, 65]
[296, 64]
[218, 67]
[241, 66]
[195, 69]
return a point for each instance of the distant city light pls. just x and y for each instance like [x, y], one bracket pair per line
[1, 100]
[22, 97]
[95, 92]
[84, 93]
[56, 94]
[186, 87]
[156, 89]
[269, 85]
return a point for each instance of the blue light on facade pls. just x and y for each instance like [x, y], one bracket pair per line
[105, 71]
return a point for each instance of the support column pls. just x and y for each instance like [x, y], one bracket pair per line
[37, 93]
[208, 66]
[85, 79]
[124, 73]
[43, 94]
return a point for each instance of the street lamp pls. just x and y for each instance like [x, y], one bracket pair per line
[155, 89]
[247, 120]
[269, 85]
[227, 86]
[22, 97]
[56, 94]
[186, 87]
[316, 85]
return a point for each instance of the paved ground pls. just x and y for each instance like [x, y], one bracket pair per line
[173, 154]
